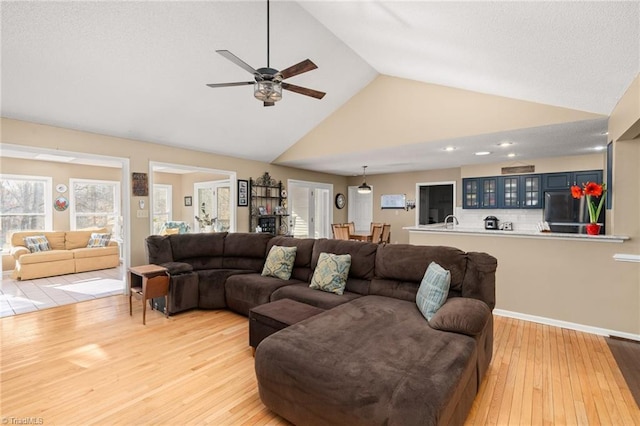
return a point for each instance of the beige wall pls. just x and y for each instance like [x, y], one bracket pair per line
[573, 281]
[624, 123]
[141, 153]
[576, 281]
[393, 111]
[405, 183]
[402, 183]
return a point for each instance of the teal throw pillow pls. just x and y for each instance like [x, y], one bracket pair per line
[331, 273]
[37, 243]
[433, 290]
[279, 263]
[99, 240]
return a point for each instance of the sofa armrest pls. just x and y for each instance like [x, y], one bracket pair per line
[177, 268]
[462, 315]
[17, 251]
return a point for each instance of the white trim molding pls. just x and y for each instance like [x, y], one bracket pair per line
[566, 324]
[621, 257]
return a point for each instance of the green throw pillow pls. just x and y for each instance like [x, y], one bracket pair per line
[37, 243]
[331, 273]
[433, 290]
[279, 263]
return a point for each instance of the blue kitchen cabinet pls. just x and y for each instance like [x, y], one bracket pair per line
[480, 193]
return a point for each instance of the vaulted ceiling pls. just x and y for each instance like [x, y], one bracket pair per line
[138, 70]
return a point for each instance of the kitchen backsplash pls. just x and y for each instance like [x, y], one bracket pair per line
[522, 219]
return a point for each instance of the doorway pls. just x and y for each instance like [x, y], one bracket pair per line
[311, 209]
[119, 219]
[192, 186]
[213, 198]
[360, 209]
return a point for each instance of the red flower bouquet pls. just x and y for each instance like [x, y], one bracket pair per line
[591, 189]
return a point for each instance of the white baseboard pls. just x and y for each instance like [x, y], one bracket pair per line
[565, 324]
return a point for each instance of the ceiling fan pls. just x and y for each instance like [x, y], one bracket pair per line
[269, 83]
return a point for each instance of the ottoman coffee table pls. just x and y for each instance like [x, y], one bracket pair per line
[264, 320]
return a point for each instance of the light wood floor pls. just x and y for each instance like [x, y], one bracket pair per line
[90, 363]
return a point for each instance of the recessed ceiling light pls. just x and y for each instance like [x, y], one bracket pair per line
[483, 153]
[605, 133]
[511, 154]
[503, 144]
[598, 148]
[450, 148]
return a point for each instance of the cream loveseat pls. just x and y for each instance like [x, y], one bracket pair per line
[69, 254]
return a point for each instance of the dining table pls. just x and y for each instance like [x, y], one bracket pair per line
[360, 237]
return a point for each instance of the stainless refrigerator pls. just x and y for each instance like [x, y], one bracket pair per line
[566, 214]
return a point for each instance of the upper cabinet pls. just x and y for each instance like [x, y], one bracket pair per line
[564, 180]
[480, 193]
[520, 191]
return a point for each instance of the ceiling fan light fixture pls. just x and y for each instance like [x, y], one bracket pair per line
[267, 91]
[364, 188]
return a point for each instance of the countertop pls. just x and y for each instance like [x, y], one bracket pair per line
[457, 229]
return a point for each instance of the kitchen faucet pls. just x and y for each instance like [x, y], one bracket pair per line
[452, 222]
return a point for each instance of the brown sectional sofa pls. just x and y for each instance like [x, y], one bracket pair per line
[370, 357]
[69, 254]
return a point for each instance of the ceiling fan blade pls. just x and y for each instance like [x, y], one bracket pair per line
[269, 104]
[240, 83]
[299, 68]
[303, 90]
[239, 62]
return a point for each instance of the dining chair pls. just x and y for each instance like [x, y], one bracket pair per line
[340, 232]
[385, 238]
[352, 228]
[374, 224]
[376, 234]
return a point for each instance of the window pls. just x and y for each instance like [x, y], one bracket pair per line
[95, 203]
[162, 211]
[24, 205]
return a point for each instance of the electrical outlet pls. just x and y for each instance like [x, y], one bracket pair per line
[142, 213]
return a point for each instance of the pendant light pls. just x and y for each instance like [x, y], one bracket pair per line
[364, 188]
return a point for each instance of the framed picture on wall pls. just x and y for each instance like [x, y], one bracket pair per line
[243, 193]
[188, 201]
[140, 184]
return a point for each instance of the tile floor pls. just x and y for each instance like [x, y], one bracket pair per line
[18, 297]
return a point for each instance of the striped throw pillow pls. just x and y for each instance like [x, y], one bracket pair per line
[433, 290]
[37, 243]
[98, 240]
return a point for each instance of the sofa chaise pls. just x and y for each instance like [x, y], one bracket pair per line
[369, 356]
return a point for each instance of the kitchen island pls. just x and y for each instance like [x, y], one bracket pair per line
[564, 280]
[457, 229]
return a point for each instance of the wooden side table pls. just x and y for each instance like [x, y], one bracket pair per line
[148, 281]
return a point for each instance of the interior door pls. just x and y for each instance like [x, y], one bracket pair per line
[360, 209]
[311, 211]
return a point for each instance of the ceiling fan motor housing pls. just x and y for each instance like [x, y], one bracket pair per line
[270, 74]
